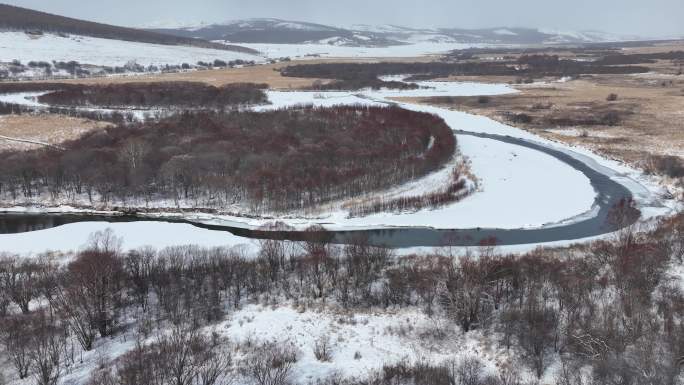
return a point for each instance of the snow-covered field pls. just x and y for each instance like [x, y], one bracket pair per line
[298, 51]
[360, 343]
[375, 339]
[73, 236]
[105, 52]
[519, 187]
[28, 99]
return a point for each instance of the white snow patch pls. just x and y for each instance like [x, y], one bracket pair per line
[379, 339]
[504, 31]
[72, 237]
[105, 52]
[29, 99]
[298, 51]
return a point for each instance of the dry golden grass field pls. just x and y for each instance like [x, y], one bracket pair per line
[17, 131]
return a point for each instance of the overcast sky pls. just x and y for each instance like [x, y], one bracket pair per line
[635, 17]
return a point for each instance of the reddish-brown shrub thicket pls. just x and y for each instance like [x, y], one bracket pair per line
[166, 94]
[609, 307]
[454, 192]
[277, 160]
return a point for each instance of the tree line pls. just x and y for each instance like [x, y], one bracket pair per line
[280, 160]
[162, 94]
[456, 189]
[366, 74]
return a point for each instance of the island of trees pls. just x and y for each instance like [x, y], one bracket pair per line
[271, 161]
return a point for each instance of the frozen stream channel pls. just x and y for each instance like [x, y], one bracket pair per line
[531, 191]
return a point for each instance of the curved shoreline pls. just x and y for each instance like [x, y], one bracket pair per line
[609, 194]
[591, 223]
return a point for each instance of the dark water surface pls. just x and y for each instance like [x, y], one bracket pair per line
[609, 194]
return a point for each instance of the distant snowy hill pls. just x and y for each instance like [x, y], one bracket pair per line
[499, 35]
[36, 44]
[557, 36]
[105, 52]
[277, 31]
[280, 32]
[27, 20]
[28, 56]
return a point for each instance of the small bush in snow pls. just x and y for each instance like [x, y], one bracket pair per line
[271, 364]
[322, 349]
[468, 371]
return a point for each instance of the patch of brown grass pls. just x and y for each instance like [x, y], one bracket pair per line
[650, 109]
[267, 73]
[46, 128]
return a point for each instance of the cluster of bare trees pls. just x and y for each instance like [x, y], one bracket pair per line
[455, 191]
[167, 94]
[37, 347]
[612, 310]
[467, 371]
[183, 357]
[640, 58]
[361, 75]
[47, 308]
[669, 165]
[115, 117]
[279, 160]
[360, 83]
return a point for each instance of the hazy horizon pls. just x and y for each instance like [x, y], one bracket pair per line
[658, 18]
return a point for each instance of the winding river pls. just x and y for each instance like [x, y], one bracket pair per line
[610, 191]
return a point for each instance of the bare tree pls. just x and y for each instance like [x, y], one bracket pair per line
[467, 371]
[19, 280]
[138, 268]
[465, 292]
[140, 366]
[215, 364]
[180, 352]
[323, 349]
[88, 296]
[46, 350]
[17, 337]
[271, 364]
[4, 291]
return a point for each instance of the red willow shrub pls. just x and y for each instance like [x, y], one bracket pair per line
[267, 161]
[455, 191]
[163, 94]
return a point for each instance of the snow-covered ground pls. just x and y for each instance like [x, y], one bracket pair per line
[519, 187]
[29, 99]
[74, 236]
[298, 51]
[105, 52]
[375, 339]
[360, 343]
